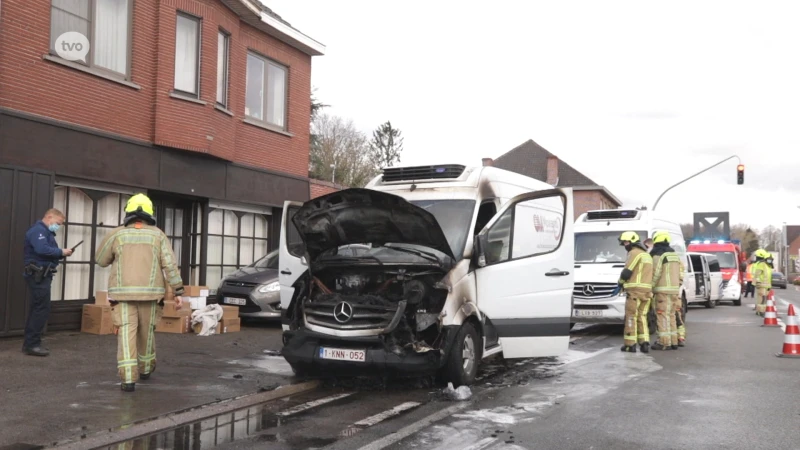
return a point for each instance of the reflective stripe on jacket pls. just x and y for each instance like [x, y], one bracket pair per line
[139, 256]
[640, 264]
[667, 273]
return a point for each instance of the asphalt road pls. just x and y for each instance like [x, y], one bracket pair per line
[725, 389]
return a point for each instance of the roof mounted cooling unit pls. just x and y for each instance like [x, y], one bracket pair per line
[612, 214]
[422, 173]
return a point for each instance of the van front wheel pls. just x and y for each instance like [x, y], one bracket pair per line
[462, 363]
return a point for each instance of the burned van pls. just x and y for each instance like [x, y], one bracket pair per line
[455, 264]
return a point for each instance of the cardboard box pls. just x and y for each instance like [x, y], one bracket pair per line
[230, 312]
[195, 291]
[231, 325]
[96, 319]
[101, 298]
[179, 325]
[171, 309]
[196, 302]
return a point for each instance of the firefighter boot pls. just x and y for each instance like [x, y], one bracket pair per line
[645, 346]
[659, 346]
[128, 387]
[628, 348]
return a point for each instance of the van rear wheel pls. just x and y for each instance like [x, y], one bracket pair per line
[462, 362]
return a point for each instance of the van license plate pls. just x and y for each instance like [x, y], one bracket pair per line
[342, 354]
[587, 313]
[234, 301]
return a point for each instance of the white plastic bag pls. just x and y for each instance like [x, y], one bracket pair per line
[209, 317]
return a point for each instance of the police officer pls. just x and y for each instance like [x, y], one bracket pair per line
[636, 278]
[142, 265]
[41, 258]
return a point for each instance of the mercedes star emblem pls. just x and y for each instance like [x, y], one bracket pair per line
[343, 312]
[588, 290]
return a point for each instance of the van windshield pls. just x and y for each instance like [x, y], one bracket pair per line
[454, 217]
[727, 260]
[601, 247]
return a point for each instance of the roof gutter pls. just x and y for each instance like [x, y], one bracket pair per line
[253, 13]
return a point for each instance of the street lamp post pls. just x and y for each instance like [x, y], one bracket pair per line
[689, 178]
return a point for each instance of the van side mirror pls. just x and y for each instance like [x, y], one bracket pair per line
[481, 242]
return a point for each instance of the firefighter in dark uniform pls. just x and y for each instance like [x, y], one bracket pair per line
[42, 256]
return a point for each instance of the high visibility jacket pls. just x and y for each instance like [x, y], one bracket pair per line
[762, 274]
[683, 270]
[139, 256]
[667, 273]
[637, 276]
[749, 272]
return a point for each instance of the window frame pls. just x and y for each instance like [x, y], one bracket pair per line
[264, 85]
[226, 69]
[198, 64]
[90, 63]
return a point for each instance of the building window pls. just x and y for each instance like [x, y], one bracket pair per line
[104, 23]
[235, 239]
[223, 40]
[187, 55]
[91, 215]
[266, 91]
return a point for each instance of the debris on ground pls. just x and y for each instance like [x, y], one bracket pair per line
[462, 393]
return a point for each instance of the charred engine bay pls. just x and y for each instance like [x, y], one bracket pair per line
[401, 305]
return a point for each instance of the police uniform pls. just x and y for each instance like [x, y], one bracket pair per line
[41, 258]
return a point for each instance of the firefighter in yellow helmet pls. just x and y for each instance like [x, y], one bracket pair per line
[636, 279]
[140, 255]
[762, 276]
[666, 287]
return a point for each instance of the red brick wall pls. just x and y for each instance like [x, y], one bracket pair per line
[591, 200]
[30, 83]
[319, 188]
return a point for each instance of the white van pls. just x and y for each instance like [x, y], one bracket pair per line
[703, 279]
[599, 260]
[463, 263]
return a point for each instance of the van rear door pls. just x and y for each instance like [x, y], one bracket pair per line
[290, 263]
[525, 276]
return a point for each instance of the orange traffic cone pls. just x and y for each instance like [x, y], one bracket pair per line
[791, 340]
[771, 315]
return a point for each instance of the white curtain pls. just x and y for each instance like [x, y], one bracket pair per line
[215, 222]
[254, 101]
[276, 95]
[69, 15]
[80, 207]
[222, 66]
[186, 54]
[111, 35]
[261, 226]
[108, 211]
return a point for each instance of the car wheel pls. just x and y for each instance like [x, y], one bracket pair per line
[685, 305]
[739, 301]
[462, 363]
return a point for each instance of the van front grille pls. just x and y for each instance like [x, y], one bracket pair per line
[593, 290]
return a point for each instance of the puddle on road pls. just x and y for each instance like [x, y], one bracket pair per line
[258, 422]
[269, 363]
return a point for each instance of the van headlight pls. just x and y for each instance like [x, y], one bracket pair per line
[271, 287]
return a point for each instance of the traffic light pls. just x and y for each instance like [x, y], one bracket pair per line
[740, 174]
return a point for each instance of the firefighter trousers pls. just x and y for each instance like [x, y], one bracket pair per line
[637, 305]
[665, 319]
[679, 326]
[135, 324]
[761, 300]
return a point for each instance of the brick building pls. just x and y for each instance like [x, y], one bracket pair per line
[202, 104]
[533, 160]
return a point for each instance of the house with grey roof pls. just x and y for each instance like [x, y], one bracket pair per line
[535, 161]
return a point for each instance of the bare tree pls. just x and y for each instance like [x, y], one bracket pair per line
[688, 230]
[748, 237]
[386, 145]
[770, 238]
[341, 153]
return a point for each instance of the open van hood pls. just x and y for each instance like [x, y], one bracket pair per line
[355, 216]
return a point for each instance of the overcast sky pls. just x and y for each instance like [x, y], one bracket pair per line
[636, 95]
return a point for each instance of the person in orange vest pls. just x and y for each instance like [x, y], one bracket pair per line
[750, 289]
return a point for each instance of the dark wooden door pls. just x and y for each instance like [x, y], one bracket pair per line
[26, 195]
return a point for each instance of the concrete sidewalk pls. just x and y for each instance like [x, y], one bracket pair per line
[75, 390]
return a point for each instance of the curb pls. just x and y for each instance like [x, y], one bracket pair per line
[160, 424]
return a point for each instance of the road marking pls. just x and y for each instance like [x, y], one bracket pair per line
[311, 404]
[414, 427]
[377, 418]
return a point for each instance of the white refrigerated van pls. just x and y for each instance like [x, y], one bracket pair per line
[463, 263]
[599, 259]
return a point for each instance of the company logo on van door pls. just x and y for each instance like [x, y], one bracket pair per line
[544, 225]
